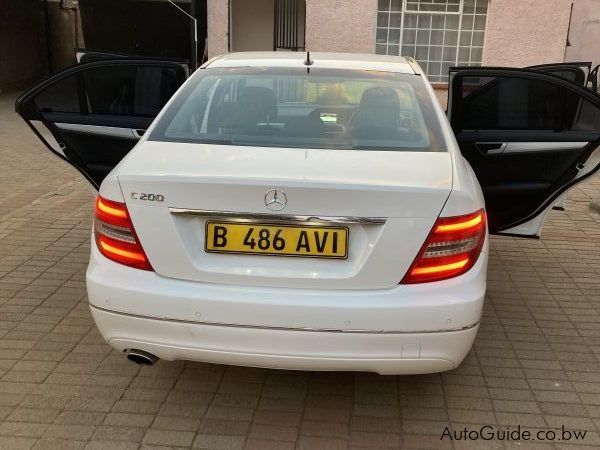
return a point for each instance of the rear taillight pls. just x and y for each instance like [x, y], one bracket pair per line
[451, 249]
[115, 236]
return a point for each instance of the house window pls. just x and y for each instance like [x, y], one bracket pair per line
[439, 34]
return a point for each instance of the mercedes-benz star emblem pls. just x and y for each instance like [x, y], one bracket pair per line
[275, 199]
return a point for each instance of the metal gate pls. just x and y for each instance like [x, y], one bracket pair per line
[287, 25]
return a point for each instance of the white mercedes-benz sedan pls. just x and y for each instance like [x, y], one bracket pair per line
[308, 211]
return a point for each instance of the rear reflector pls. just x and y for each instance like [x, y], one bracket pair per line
[115, 236]
[451, 249]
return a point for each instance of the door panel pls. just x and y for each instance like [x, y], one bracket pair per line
[97, 111]
[516, 182]
[527, 135]
[97, 148]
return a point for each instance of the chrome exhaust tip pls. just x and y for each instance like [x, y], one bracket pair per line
[141, 357]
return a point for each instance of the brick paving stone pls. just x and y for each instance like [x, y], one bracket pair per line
[129, 434]
[535, 363]
[263, 444]
[218, 442]
[111, 445]
[169, 437]
[59, 444]
[224, 427]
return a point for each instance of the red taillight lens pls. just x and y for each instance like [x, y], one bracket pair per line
[115, 236]
[451, 249]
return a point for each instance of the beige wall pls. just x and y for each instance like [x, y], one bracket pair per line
[252, 25]
[332, 25]
[341, 25]
[585, 32]
[217, 27]
[526, 32]
[518, 33]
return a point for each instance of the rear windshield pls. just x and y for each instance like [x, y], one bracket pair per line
[300, 108]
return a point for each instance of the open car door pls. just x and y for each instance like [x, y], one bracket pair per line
[528, 135]
[92, 114]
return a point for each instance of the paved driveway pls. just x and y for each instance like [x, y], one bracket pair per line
[536, 361]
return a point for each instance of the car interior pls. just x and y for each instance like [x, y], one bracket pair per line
[256, 112]
[295, 112]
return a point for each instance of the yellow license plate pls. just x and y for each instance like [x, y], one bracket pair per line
[278, 240]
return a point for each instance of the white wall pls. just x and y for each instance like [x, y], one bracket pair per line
[252, 25]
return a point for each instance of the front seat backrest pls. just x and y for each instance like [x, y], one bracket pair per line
[255, 105]
[377, 116]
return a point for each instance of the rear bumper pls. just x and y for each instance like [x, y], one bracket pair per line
[384, 353]
[403, 330]
[430, 307]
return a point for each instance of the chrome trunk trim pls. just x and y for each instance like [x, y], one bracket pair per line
[256, 217]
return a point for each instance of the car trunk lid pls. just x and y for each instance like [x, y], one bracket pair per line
[400, 194]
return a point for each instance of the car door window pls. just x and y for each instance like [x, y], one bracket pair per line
[129, 91]
[588, 118]
[61, 97]
[571, 75]
[118, 90]
[575, 72]
[516, 104]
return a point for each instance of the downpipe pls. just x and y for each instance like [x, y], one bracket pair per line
[141, 357]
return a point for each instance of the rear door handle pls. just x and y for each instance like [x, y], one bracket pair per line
[491, 148]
